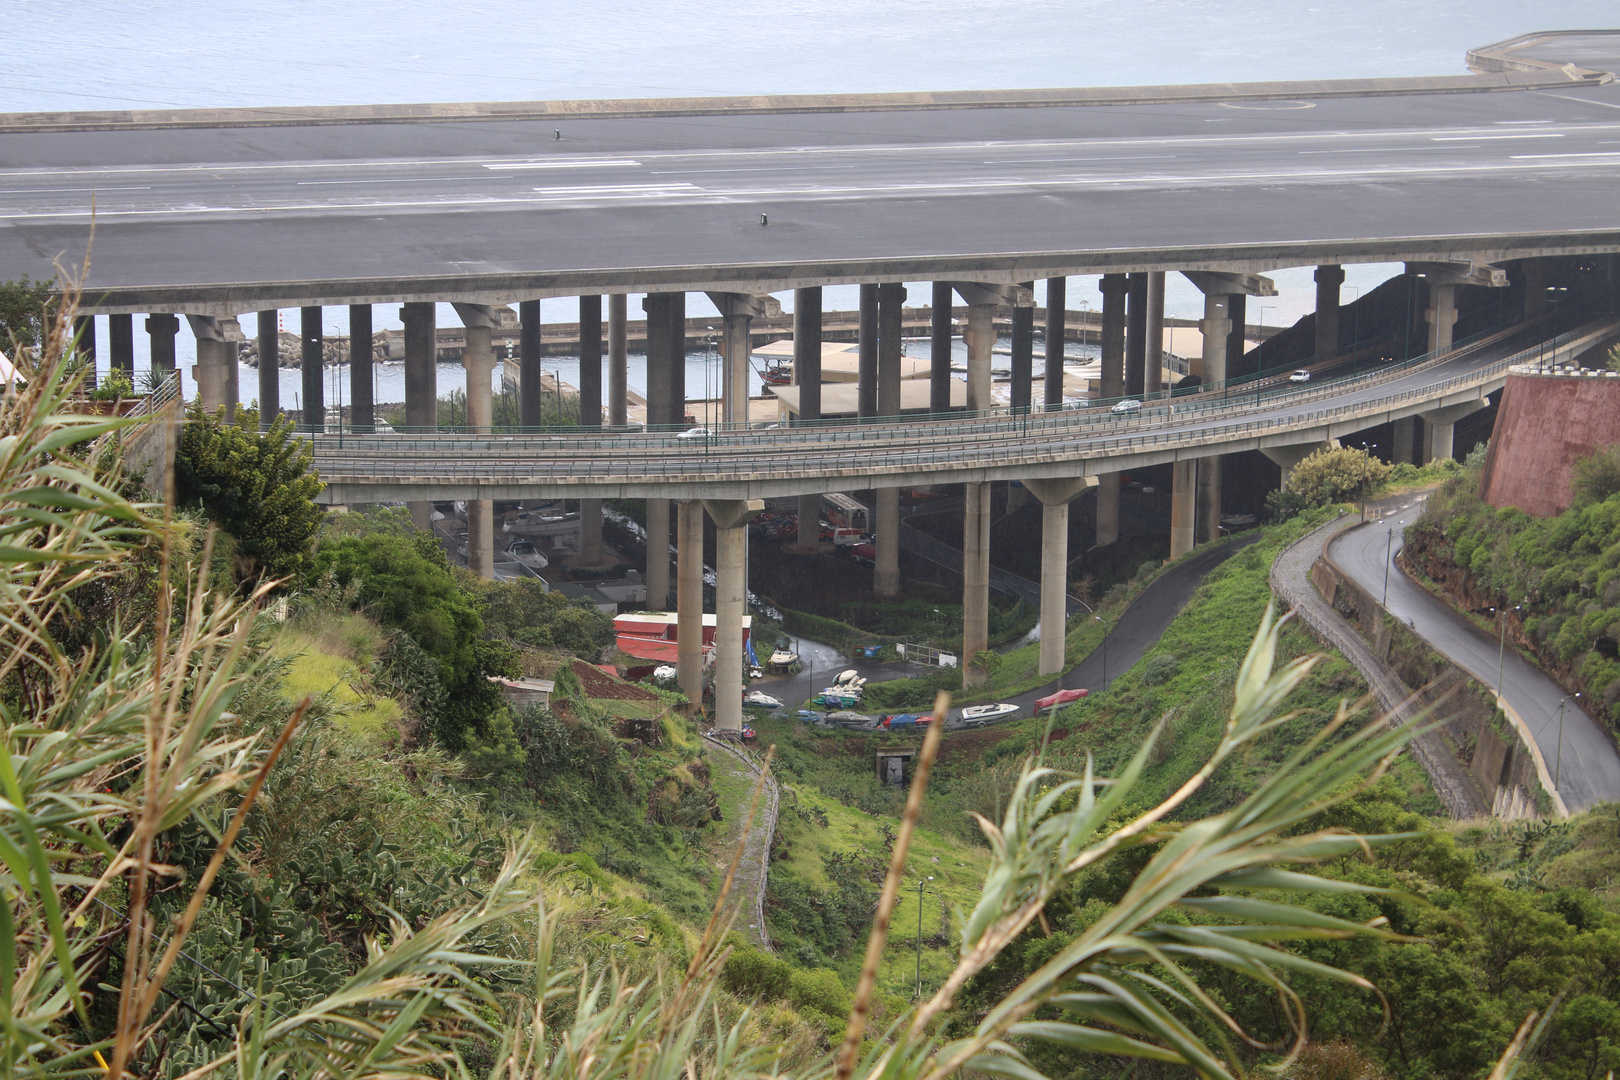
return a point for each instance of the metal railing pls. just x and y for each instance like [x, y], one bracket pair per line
[904, 447]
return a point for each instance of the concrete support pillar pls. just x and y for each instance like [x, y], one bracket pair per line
[478, 358]
[731, 518]
[657, 572]
[1183, 503]
[1216, 325]
[1532, 273]
[939, 349]
[618, 358]
[1403, 431]
[362, 405]
[529, 363]
[421, 383]
[1107, 508]
[1153, 335]
[1023, 352]
[689, 600]
[1328, 279]
[807, 373]
[734, 349]
[84, 334]
[213, 356]
[312, 346]
[1439, 427]
[886, 578]
[590, 532]
[981, 340]
[121, 344]
[675, 341]
[1237, 320]
[1286, 457]
[161, 330]
[807, 352]
[975, 579]
[866, 393]
[1209, 499]
[1114, 288]
[1136, 319]
[891, 297]
[661, 411]
[1057, 290]
[1441, 316]
[590, 361]
[1055, 496]
[269, 340]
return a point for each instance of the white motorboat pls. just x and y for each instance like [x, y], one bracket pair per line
[762, 699]
[541, 522]
[781, 661]
[525, 552]
[978, 715]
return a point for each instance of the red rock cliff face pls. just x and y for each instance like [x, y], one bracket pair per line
[1546, 423]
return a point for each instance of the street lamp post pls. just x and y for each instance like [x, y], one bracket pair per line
[919, 933]
[1098, 618]
[1558, 767]
[1389, 546]
[1501, 647]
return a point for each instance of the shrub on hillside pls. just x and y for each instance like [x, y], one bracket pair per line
[1596, 477]
[1337, 474]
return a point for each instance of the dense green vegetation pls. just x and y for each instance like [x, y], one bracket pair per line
[1556, 579]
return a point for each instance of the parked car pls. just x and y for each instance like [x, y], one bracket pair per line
[695, 433]
[1062, 697]
[1129, 405]
[1300, 376]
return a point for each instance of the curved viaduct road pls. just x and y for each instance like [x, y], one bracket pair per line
[217, 212]
[796, 461]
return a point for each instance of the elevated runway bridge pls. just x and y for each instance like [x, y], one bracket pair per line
[1474, 181]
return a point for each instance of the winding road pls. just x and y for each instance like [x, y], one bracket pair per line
[1578, 756]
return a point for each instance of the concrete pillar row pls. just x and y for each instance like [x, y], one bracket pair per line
[84, 333]
[657, 572]
[478, 359]
[975, 579]
[618, 358]
[981, 340]
[161, 329]
[731, 518]
[1329, 278]
[529, 363]
[689, 600]
[886, 574]
[1209, 499]
[1183, 505]
[1153, 360]
[269, 341]
[737, 313]
[1057, 298]
[1055, 496]
[312, 343]
[886, 577]
[421, 383]
[212, 374]
[1216, 327]
[362, 403]
[1441, 315]
[590, 361]
[1136, 323]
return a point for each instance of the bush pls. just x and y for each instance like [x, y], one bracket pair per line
[750, 973]
[1160, 667]
[821, 990]
[1336, 474]
[1596, 477]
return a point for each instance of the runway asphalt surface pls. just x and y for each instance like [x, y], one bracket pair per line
[1580, 756]
[512, 201]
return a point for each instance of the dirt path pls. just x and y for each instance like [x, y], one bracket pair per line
[742, 764]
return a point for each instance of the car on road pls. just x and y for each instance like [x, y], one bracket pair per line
[1129, 405]
[979, 715]
[695, 433]
[1300, 376]
[1062, 697]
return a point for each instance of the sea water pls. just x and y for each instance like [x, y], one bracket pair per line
[134, 54]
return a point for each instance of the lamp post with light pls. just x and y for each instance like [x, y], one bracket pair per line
[920, 882]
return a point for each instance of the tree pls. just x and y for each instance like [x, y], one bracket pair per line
[25, 313]
[527, 614]
[1337, 474]
[258, 487]
[405, 581]
[1596, 477]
